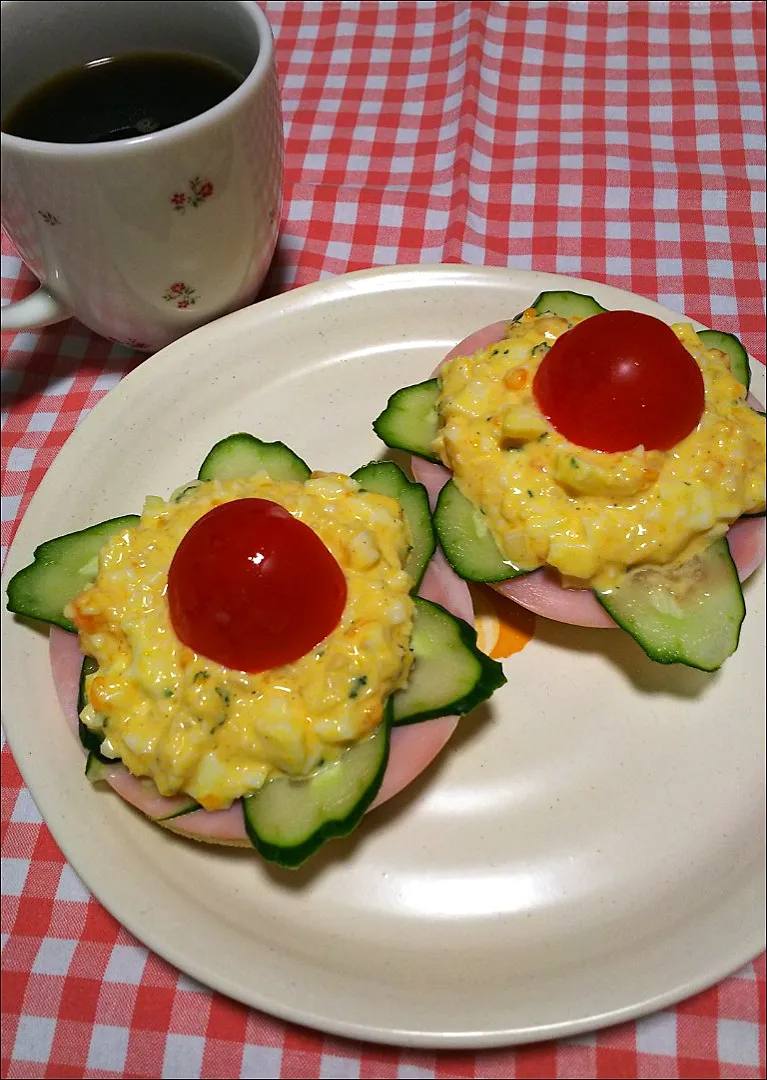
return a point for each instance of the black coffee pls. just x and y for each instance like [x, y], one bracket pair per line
[121, 97]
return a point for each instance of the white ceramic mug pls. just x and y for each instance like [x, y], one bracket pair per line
[146, 238]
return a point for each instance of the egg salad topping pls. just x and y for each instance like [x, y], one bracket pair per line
[588, 513]
[214, 733]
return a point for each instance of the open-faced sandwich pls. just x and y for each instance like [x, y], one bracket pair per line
[265, 655]
[598, 467]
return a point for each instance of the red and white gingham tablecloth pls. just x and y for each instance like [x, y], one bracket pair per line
[622, 142]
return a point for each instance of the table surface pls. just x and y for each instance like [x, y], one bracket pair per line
[621, 142]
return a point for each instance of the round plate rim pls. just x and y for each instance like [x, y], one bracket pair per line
[353, 286]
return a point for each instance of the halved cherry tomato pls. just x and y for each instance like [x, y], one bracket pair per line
[252, 588]
[619, 380]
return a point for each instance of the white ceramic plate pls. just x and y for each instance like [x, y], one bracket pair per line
[590, 846]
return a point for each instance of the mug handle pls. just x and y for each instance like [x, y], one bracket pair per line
[41, 308]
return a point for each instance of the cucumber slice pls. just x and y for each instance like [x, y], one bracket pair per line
[386, 478]
[62, 568]
[732, 348]
[409, 421]
[97, 767]
[567, 304]
[690, 615]
[450, 676]
[288, 820]
[466, 540]
[242, 455]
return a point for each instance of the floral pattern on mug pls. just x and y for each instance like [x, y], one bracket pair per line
[181, 294]
[48, 217]
[199, 191]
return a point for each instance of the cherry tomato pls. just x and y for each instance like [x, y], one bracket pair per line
[619, 380]
[252, 588]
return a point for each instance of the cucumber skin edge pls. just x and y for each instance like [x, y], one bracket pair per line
[491, 678]
[291, 858]
[413, 485]
[398, 446]
[436, 517]
[659, 658]
[405, 449]
[63, 623]
[204, 472]
[60, 620]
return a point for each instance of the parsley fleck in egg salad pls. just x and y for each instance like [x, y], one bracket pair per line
[589, 513]
[196, 726]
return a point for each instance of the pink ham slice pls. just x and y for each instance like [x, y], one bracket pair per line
[541, 592]
[412, 748]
